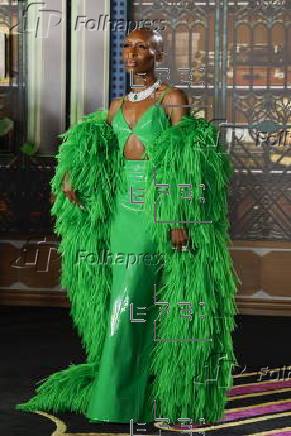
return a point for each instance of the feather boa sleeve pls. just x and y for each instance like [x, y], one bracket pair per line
[188, 153]
[89, 154]
[200, 347]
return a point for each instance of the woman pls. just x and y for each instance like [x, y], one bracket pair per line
[143, 365]
[123, 384]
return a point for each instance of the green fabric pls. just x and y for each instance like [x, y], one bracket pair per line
[193, 376]
[187, 378]
[152, 122]
[119, 387]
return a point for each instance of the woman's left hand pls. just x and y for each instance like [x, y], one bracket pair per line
[179, 238]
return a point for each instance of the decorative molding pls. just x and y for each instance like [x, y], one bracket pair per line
[34, 74]
[262, 294]
[106, 73]
[245, 305]
[255, 298]
[77, 63]
[251, 245]
[90, 57]
[263, 307]
[20, 297]
[46, 73]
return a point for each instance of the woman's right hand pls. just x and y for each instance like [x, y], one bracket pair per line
[68, 191]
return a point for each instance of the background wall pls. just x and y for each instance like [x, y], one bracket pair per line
[233, 60]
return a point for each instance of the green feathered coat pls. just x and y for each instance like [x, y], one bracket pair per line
[188, 378]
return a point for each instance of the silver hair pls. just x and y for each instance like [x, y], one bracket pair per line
[156, 40]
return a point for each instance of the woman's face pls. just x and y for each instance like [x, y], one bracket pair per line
[138, 55]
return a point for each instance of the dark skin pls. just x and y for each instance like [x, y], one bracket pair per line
[138, 57]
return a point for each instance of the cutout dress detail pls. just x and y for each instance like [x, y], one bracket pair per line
[119, 389]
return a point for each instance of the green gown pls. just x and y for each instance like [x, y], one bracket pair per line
[186, 367]
[119, 388]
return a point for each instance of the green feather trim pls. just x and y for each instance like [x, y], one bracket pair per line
[66, 390]
[190, 378]
[90, 154]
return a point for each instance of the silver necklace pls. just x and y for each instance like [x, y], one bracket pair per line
[142, 95]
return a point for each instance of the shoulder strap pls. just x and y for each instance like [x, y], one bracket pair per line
[164, 92]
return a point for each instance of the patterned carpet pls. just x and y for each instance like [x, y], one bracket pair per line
[39, 341]
[259, 404]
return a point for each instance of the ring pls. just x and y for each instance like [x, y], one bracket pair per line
[183, 248]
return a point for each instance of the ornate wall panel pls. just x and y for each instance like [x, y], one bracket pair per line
[12, 115]
[53, 74]
[50, 78]
[29, 272]
[234, 62]
[233, 59]
[34, 90]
